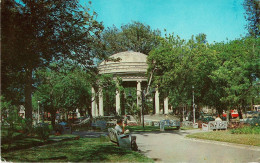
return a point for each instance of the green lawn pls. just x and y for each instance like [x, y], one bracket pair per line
[152, 128]
[227, 136]
[82, 150]
[24, 142]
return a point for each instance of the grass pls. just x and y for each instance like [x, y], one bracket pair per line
[82, 150]
[246, 130]
[62, 137]
[188, 128]
[227, 136]
[21, 144]
[24, 142]
[148, 128]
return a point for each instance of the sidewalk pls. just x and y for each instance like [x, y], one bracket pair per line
[89, 134]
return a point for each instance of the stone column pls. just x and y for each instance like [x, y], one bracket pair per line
[118, 110]
[93, 103]
[101, 109]
[77, 112]
[157, 102]
[138, 93]
[166, 109]
[96, 109]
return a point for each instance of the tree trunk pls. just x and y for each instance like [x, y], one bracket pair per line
[240, 113]
[228, 112]
[89, 111]
[67, 115]
[28, 96]
[123, 104]
[252, 104]
[53, 117]
[73, 115]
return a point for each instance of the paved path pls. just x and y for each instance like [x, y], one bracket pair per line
[89, 134]
[175, 147]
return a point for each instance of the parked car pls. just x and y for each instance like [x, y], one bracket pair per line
[205, 118]
[80, 119]
[234, 114]
[252, 114]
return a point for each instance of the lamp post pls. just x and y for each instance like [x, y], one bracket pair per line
[42, 114]
[129, 96]
[38, 116]
[193, 104]
[142, 107]
[143, 97]
[183, 118]
[143, 100]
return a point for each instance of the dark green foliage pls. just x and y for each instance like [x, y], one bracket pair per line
[34, 33]
[134, 36]
[252, 16]
[246, 130]
[10, 121]
[43, 131]
[181, 65]
[62, 87]
[254, 121]
[224, 75]
[238, 72]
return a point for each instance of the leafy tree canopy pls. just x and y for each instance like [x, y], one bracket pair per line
[252, 16]
[223, 75]
[134, 36]
[34, 33]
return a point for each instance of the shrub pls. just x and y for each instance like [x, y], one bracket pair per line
[43, 131]
[234, 125]
[9, 124]
[24, 124]
[246, 130]
[254, 121]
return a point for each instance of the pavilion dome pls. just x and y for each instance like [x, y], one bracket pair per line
[130, 64]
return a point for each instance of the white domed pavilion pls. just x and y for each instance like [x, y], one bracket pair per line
[131, 67]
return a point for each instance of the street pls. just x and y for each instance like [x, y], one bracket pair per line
[173, 146]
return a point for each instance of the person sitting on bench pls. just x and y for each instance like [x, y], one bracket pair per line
[218, 119]
[125, 134]
[119, 129]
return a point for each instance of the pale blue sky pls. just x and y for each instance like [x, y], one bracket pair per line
[218, 19]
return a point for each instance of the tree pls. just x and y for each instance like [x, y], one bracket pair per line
[238, 71]
[37, 32]
[168, 59]
[224, 75]
[182, 65]
[134, 36]
[252, 15]
[12, 76]
[63, 87]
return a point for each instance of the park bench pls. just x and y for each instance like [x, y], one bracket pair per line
[111, 123]
[63, 128]
[67, 130]
[156, 123]
[215, 125]
[122, 140]
[99, 124]
[169, 123]
[148, 123]
[189, 124]
[195, 125]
